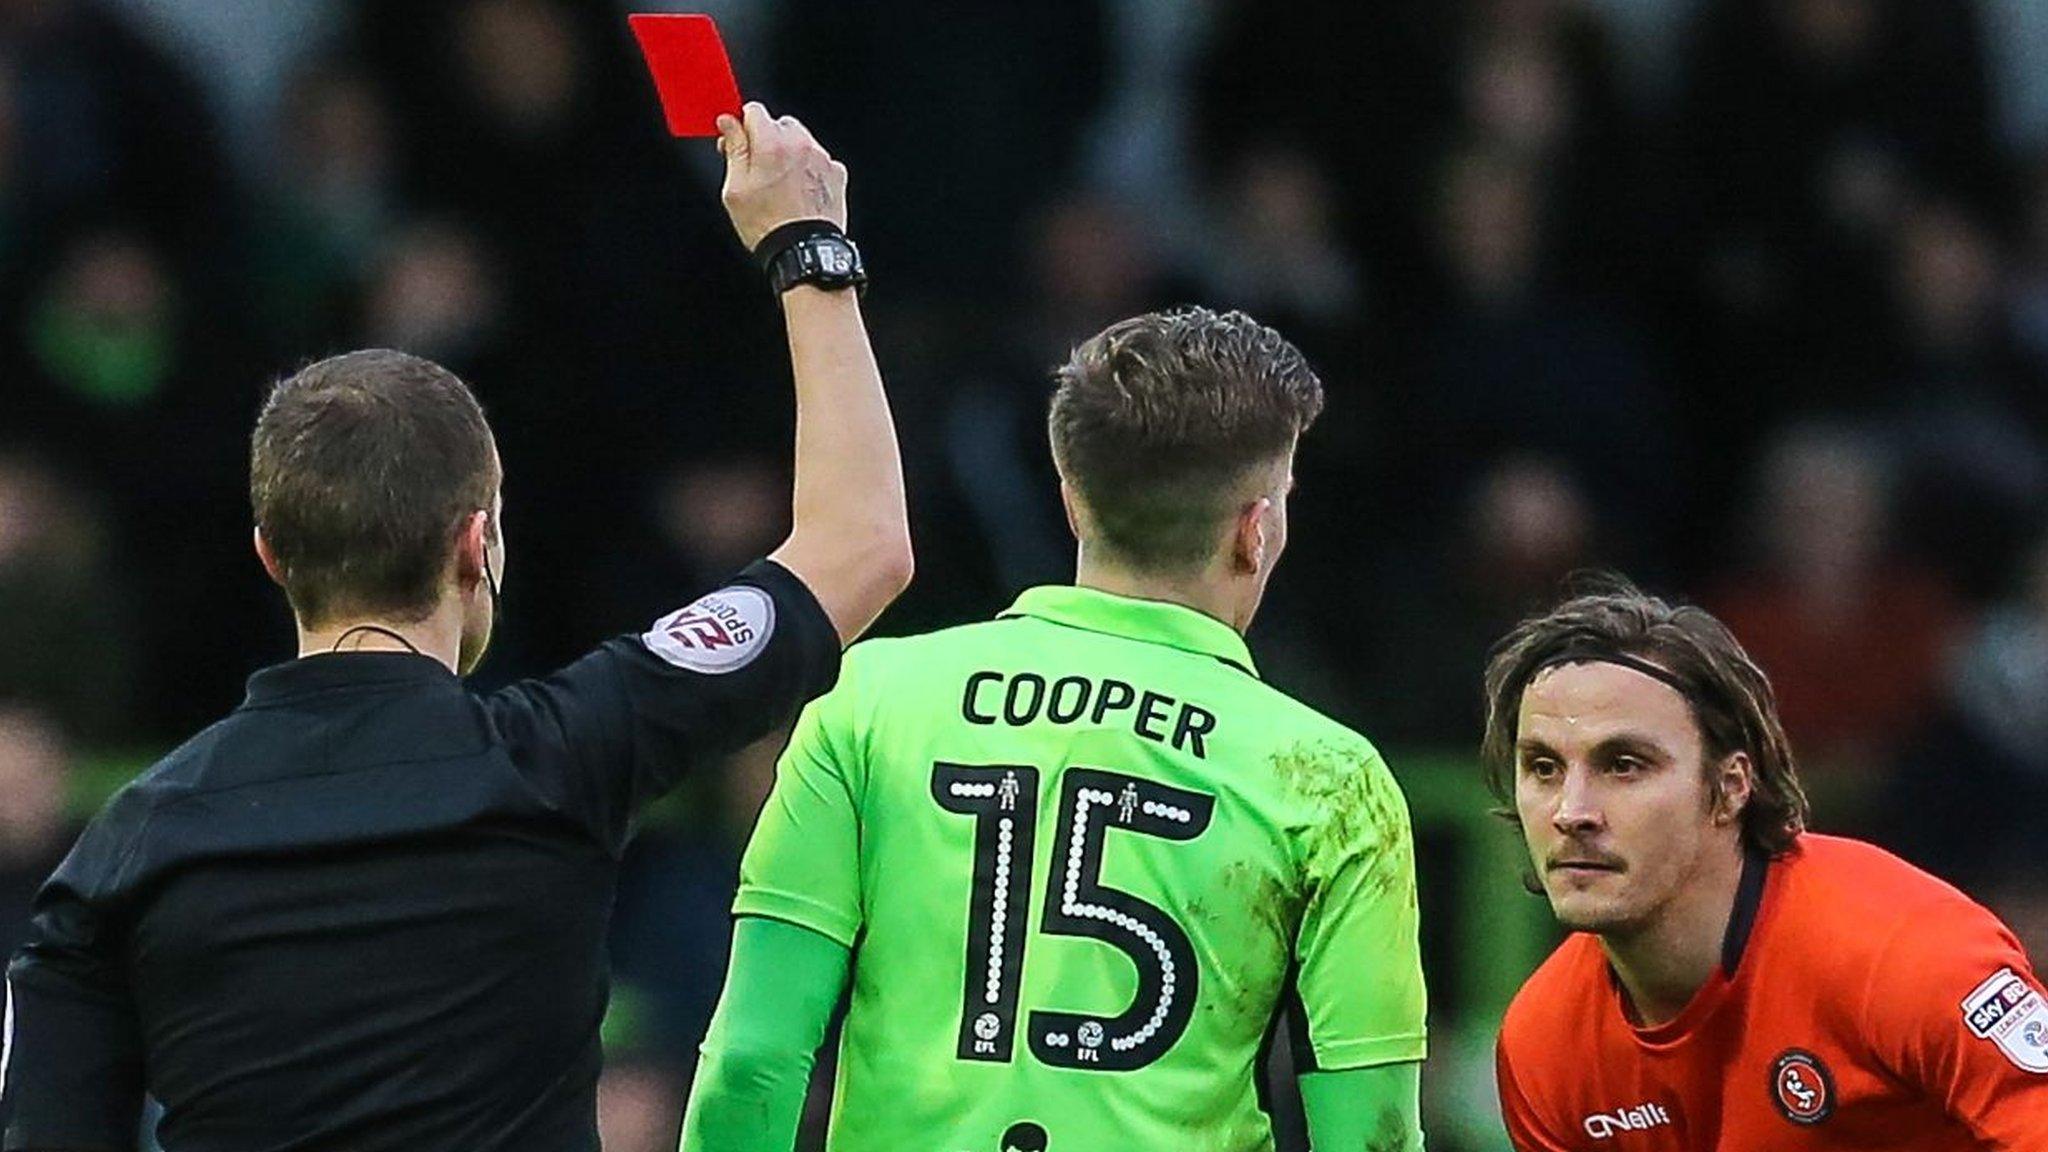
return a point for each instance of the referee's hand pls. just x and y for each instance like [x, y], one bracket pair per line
[776, 172]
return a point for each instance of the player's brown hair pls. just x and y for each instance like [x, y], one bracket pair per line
[361, 469]
[1605, 617]
[1158, 421]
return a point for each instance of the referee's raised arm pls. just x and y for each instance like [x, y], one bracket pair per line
[850, 535]
[367, 909]
[636, 716]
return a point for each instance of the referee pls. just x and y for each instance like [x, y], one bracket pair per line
[367, 910]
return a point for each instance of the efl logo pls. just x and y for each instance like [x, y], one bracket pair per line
[1606, 1125]
[2010, 1013]
[721, 632]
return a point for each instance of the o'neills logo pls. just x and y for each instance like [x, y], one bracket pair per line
[1601, 1125]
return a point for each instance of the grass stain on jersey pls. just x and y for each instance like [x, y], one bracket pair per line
[1250, 889]
[1268, 896]
[1336, 783]
[1390, 1133]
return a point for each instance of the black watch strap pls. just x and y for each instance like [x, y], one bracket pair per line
[783, 235]
[810, 252]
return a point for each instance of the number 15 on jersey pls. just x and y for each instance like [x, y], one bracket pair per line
[1003, 800]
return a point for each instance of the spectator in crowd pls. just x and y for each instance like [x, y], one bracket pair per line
[1539, 79]
[1984, 752]
[1371, 117]
[704, 516]
[439, 289]
[2027, 296]
[119, 389]
[1527, 524]
[672, 930]
[108, 124]
[1999, 680]
[326, 208]
[886, 81]
[35, 823]
[1090, 264]
[1520, 360]
[69, 636]
[518, 109]
[528, 125]
[1955, 349]
[13, 238]
[1957, 394]
[1782, 95]
[104, 333]
[1275, 251]
[1851, 638]
[436, 294]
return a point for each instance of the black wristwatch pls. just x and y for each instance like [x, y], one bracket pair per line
[811, 252]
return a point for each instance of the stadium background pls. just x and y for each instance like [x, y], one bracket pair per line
[1747, 297]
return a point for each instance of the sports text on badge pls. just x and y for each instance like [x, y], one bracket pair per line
[720, 632]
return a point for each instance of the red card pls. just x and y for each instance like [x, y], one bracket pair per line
[691, 73]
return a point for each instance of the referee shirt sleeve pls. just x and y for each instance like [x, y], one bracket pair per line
[71, 1073]
[803, 863]
[626, 723]
[1358, 951]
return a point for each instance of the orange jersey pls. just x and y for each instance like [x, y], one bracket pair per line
[1872, 1007]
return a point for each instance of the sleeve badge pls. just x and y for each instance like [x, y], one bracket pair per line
[2011, 1013]
[722, 631]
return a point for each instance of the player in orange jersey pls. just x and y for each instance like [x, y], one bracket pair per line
[1733, 983]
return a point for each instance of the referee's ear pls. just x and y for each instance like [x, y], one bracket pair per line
[270, 565]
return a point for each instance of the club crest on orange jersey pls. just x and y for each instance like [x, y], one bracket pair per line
[1801, 1087]
[2012, 1014]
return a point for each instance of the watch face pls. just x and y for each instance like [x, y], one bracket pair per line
[827, 261]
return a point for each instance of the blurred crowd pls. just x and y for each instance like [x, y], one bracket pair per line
[1748, 298]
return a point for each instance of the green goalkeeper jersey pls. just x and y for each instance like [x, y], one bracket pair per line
[1084, 859]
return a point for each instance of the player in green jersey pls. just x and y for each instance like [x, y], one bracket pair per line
[1073, 863]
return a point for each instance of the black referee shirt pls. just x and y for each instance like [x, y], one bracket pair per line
[367, 910]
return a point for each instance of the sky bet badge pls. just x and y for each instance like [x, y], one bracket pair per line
[2011, 1013]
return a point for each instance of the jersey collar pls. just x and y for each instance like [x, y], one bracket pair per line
[1749, 899]
[1148, 621]
[331, 670]
[1750, 894]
